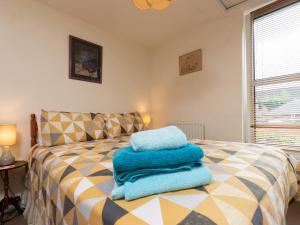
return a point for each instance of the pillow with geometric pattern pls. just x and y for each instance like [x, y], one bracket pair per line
[96, 130]
[113, 125]
[138, 122]
[120, 124]
[59, 128]
[127, 123]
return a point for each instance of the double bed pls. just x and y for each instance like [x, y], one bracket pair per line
[72, 184]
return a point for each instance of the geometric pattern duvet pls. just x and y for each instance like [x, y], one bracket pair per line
[72, 184]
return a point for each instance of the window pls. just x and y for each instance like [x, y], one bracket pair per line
[274, 87]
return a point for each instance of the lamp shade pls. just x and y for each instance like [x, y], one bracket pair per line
[160, 5]
[8, 135]
[155, 4]
[141, 4]
[146, 119]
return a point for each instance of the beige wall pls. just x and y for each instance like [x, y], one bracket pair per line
[34, 68]
[212, 96]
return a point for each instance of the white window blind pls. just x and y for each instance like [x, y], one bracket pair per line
[275, 79]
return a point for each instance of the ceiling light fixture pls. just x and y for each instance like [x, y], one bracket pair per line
[155, 4]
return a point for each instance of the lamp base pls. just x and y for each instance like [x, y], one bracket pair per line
[6, 157]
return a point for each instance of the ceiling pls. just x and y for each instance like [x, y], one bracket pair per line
[149, 27]
[231, 3]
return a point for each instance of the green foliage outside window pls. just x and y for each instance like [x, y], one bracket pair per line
[273, 102]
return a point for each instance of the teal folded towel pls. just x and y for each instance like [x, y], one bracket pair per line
[134, 175]
[161, 183]
[130, 165]
[164, 138]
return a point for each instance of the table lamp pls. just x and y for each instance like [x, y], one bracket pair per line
[146, 119]
[8, 138]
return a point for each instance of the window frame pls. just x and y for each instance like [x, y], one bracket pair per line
[249, 74]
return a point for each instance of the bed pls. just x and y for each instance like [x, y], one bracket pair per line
[72, 184]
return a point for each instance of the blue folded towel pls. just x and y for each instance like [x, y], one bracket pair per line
[131, 165]
[164, 138]
[134, 175]
[161, 183]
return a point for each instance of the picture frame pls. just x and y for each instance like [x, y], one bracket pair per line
[85, 60]
[190, 62]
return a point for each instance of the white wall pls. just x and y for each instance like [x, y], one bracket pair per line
[212, 96]
[34, 68]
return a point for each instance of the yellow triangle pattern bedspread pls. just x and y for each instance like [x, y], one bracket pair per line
[72, 184]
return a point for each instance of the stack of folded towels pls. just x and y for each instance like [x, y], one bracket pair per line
[158, 161]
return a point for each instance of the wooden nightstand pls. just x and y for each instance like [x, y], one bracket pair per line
[6, 201]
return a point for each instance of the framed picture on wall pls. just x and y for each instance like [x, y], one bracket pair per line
[190, 62]
[85, 60]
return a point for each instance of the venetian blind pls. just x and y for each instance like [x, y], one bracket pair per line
[275, 79]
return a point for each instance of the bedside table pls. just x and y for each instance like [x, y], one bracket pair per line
[6, 201]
